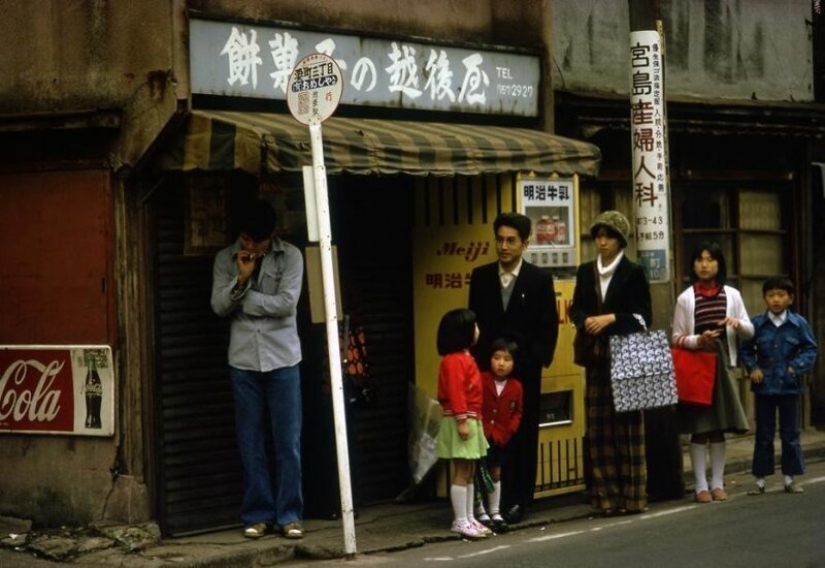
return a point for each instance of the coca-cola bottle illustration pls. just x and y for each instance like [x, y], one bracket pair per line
[93, 389]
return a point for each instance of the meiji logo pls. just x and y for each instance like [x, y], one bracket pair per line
[470, 252]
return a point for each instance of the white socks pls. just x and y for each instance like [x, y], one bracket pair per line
[471, 498]
[788, 480]
[495, 499]
[481, 512]
[717, 465]
[697, 458]
[760, 482]
[458, 498]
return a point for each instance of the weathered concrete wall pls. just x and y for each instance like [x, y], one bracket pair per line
[733, 49]
[62, 479]
[476, 21]
[62, 56]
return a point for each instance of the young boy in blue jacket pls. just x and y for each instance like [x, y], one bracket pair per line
[780, 352]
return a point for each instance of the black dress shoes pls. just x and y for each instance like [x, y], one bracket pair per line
[499, 526]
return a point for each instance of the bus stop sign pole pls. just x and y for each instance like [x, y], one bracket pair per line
[313, 94]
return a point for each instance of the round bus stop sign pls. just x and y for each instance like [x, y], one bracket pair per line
[314, 89]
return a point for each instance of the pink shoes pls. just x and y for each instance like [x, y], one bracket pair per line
[467, 530]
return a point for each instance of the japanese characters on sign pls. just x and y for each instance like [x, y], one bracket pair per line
[550, 205]
[257, 61]
[650, 183]
[57, 390]
[315, 88]
[447, 255]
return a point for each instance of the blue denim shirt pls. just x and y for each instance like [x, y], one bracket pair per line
[776, 349]
[264, 333]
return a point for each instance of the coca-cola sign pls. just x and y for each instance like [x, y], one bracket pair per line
[57, 389]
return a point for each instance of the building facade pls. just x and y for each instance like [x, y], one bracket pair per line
[124, 173]
[744, 132]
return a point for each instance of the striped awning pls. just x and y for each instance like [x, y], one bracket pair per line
[263, 142]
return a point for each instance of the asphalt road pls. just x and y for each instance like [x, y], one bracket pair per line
[772, 530]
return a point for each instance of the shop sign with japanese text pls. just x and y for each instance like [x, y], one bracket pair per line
[256, 61]
[550, 205]
[54, 389]
[649, 144]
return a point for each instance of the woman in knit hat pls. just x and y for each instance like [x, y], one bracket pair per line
[611, 297]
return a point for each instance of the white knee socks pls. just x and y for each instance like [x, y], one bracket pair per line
[717, 465]
[458, 498]
[471, 498]
[697, 458]
[495, 499]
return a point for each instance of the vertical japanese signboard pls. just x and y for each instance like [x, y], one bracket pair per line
[649, 149]
[56, 389]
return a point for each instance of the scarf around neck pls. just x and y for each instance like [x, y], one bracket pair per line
[606, 272]
[706, 290]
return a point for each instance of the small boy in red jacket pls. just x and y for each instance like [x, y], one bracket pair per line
[501, 415]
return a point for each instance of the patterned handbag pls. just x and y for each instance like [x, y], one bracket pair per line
[641, 371]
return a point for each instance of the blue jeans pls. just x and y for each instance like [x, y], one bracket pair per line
[793, 460]
[279, 393]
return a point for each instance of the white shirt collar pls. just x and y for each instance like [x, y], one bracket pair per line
[507, 277]
[514, 272]
[778, 319]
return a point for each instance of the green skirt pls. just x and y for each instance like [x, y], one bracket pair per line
[451, 446]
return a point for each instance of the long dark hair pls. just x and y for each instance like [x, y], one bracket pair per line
[456, 331]
[715, 252]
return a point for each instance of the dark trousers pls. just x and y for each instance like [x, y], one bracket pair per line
[518, 476]
[793, 461]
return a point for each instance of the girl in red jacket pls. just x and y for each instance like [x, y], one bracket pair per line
[501, 409]
[461, 435]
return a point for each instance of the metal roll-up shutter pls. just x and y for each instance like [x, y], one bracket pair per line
[375, 248]
[199, 472]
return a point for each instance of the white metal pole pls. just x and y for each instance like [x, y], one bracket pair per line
[325, 242]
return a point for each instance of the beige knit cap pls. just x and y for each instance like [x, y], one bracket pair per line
[613, 220]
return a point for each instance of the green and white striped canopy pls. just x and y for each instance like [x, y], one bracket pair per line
[264, 142]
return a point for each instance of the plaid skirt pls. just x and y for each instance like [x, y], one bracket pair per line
[616, 449]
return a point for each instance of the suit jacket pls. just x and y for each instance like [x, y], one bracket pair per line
[531, 318]
[628, 294]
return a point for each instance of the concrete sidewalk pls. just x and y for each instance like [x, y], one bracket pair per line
[379, 528]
